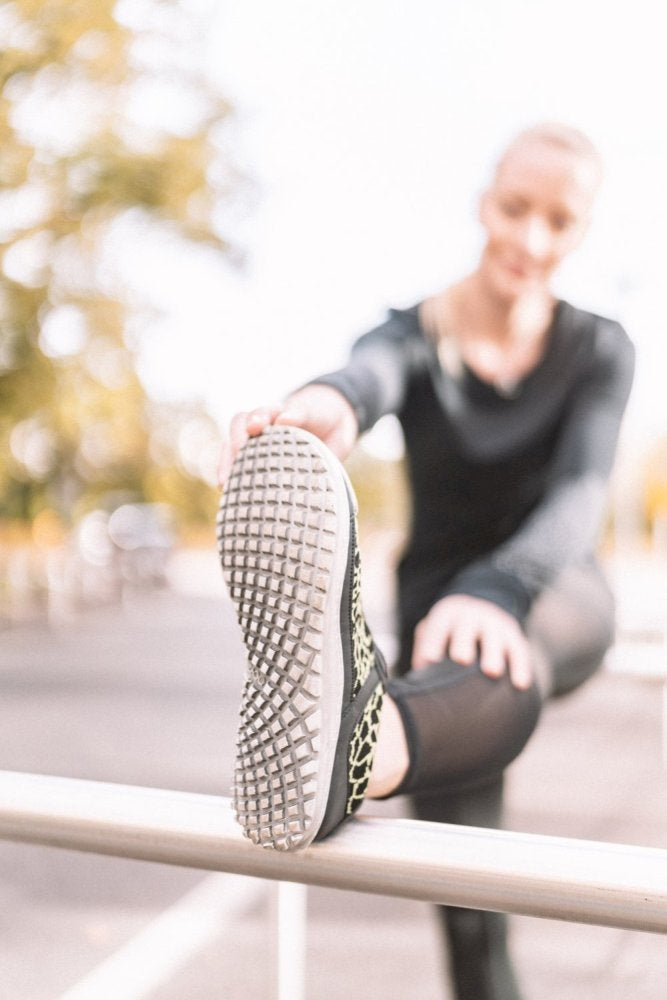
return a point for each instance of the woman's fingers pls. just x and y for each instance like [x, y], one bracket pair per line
[493, 652]
[519, 662]
[466, 628]
[463, 642]
[430, 642]
[243, 426]
[258, 420]
[320, 409]
[292, 414]
[506, 648]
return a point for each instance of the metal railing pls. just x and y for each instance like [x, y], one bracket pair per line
[576, 880]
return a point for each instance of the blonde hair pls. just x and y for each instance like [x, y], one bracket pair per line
[557, 134]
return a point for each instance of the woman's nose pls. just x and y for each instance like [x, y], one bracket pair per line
[535, 237]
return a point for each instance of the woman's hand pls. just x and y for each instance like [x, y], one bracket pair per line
[320, 409]
[464, 627]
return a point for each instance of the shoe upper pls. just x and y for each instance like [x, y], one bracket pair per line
[362, 701]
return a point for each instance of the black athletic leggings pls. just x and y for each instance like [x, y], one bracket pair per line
[463, 728]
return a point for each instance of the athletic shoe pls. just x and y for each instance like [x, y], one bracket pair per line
[313, 692]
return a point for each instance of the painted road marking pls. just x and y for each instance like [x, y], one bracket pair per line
[153, 955]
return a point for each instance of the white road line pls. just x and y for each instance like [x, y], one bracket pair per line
[152, 956]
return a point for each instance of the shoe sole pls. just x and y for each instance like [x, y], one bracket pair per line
[283, 534]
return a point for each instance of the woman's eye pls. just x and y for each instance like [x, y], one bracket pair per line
[560, 222]
[513, 209]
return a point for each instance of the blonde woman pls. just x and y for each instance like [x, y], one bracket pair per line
[510, 401]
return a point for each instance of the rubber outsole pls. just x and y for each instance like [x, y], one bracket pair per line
[283, 535]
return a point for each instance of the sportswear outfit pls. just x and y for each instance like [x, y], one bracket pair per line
[508, 492]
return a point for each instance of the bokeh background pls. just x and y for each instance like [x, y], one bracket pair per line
[201, 205]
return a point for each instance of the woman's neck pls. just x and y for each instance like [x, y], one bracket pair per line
[480, 313]
[500, 340]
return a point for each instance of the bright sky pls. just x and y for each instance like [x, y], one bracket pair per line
[370, 128]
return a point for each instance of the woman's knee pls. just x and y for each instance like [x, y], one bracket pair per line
[462, 727]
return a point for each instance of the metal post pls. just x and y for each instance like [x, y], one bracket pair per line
[290, 907]
[587, 881]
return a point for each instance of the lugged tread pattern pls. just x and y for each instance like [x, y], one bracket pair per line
[277, 536]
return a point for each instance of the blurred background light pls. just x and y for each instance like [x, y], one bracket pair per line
[26, 260]
[33, 447]
[63, 332]
[58, 109]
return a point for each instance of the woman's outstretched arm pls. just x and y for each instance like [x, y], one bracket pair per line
[338, 406]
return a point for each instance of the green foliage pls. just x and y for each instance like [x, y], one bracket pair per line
[75, 422]
[381, 489]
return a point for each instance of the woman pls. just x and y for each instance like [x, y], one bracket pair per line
[510, 402]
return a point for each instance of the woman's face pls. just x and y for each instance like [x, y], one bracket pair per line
[535, 212]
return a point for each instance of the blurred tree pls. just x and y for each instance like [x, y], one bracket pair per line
[105, 116]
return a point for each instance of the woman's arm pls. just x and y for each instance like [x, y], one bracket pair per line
[375, 379]
[337, 407]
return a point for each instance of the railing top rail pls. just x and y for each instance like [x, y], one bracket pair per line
[584, 881]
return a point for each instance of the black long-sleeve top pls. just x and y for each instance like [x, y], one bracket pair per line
[506, 490]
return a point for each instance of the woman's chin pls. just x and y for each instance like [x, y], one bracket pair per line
[509, 285]
[508, 289]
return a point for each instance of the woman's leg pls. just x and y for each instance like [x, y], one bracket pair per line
[570, 628]
[478, 961]
[462, 729]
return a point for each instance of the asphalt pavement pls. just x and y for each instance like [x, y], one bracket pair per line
[145, 693]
